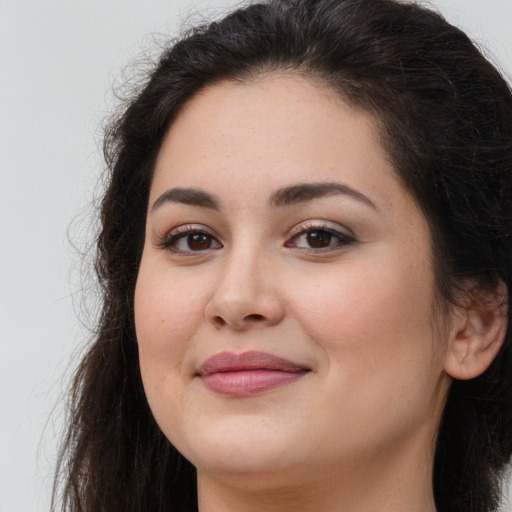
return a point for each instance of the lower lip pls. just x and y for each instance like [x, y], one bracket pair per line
[248, 382]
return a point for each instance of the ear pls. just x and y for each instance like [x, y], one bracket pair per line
[477, 334]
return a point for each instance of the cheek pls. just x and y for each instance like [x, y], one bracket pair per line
[362, 316]
[167, 314]
[375, 329]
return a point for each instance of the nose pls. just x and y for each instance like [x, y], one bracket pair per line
[245, 295]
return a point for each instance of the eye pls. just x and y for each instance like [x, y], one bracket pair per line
[319, 239]
[190, 239]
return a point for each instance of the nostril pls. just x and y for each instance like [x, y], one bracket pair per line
[255, 317]
[219, 321]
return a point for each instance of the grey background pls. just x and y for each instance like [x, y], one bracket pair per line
[58, 60]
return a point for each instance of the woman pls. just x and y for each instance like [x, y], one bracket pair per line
[305, 256]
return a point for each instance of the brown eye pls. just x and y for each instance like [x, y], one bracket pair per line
[191, 240]
[199, 241]
[319, 239]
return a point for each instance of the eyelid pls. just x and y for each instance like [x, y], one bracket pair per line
[320, 224]
[185, 229]
[188, 228]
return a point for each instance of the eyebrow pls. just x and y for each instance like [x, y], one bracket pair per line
[287, 196]
[303, 192]
[190, 196]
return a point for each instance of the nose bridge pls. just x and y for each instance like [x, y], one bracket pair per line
[242, 278]
[245, 263]
[244, 293]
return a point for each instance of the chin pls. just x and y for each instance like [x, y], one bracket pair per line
[239, 446]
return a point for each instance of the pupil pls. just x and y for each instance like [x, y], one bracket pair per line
[319, 239]
[199, 241]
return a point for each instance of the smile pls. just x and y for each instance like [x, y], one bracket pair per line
[249, 373]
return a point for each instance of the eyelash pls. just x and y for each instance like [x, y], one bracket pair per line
[308, 228]
[183, 233]
[302, 230]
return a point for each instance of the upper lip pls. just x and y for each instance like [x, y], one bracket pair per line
[231, 362]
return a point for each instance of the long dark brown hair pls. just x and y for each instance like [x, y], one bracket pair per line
[446, 122]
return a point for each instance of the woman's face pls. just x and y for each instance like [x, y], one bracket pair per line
[285, 304]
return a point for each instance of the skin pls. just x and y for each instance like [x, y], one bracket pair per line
[356, 432]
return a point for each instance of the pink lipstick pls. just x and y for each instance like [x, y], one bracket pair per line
[247, 374]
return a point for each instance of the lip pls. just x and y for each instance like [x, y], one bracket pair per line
[248, 373]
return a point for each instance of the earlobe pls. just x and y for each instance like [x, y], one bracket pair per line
[478, 334]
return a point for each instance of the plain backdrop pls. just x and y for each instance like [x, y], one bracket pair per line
[58, 61]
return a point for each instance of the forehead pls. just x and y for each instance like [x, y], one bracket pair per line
[274, 130]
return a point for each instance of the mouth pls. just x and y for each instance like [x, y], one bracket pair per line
[249, 373]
